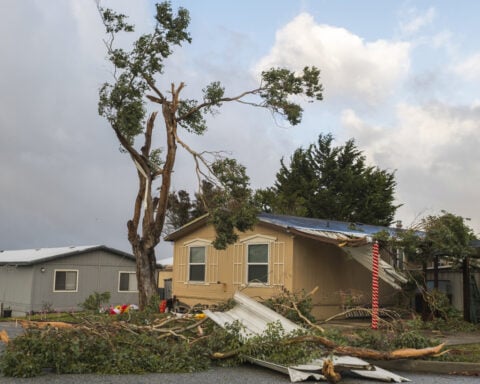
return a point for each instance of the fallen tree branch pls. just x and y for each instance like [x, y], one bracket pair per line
[365, 353]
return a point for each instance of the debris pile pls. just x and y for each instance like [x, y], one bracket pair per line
[248, 331]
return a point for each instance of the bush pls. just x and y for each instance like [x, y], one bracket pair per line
[95, 301]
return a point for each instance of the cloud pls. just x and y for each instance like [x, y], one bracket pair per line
[351, 68]
[434, 150]
[469, 69]
[416, 21]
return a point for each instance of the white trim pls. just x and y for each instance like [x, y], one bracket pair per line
[189, 264]
[197, 243]
[247, 264]
[258, 238]
[130, 273]
[65, 270]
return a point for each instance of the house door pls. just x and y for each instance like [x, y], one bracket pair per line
[167, 283]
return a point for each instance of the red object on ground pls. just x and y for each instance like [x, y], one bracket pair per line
[163, 306]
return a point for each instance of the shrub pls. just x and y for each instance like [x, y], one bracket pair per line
[95, 301]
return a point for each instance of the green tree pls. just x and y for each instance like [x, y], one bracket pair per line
[445, 236]
[137, 79]
[329, 182]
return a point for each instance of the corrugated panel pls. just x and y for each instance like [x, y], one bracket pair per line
[255, 318]
[386, 272]
[356, 229]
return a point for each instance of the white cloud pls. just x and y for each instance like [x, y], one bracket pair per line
[351, 68]
[434, 149]
[469, 69]
[416, 21]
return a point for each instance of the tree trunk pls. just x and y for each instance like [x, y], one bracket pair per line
[146, 275]
[435, 271]
[466, 289]
[425, 307]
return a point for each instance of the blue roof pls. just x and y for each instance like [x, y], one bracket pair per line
[323, 225]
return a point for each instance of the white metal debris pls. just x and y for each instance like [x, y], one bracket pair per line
[255, 317]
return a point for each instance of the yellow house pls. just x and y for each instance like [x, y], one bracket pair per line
[282, 252]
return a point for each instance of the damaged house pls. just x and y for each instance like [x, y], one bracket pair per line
[283, 252]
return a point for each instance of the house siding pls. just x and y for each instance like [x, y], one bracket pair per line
[336, 275]
[16, 288]
[226, 269]
[27, 288]
[295, 263]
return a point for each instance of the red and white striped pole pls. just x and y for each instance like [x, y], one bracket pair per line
[375, 256]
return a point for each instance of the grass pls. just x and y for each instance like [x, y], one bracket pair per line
[465, 353]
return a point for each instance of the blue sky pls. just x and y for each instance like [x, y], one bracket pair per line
[400, 77]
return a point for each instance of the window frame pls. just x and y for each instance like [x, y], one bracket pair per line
[119, 281]
[248, 264]
[190, 264]
[77, 273]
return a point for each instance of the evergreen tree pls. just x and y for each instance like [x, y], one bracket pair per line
[328, 182]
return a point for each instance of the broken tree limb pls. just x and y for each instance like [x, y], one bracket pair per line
[306, 320]
[4, 336]
[368, 353]
[365, 353]
[328, 370]
[45, 324]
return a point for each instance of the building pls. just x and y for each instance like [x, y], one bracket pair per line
[35, 280]
[282, 252]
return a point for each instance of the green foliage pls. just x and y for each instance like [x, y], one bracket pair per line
[233, 206]
[212, 95]
[279, 83]
[77, 351]
[193, 119]
[445, 235]
[412, 339]
[282, 304]
[334, 183]
[271, 346]
[95, 301]
[123, 103]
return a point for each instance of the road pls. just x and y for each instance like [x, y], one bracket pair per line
[246, 374]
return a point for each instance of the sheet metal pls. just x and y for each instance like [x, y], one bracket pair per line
[255, 317]
[386, 272]
[361, 254]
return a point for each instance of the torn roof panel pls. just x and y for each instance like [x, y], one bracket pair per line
[255, 318]
[302, 223]
[386, 272]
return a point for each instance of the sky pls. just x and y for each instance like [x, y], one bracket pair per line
[401, 78]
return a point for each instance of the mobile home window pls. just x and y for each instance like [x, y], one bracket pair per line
[257, 260]
[66, 280]
[197, 264]
[127, 282]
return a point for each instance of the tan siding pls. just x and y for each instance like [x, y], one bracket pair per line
[226, 270]
[294, 264]
[336, 274]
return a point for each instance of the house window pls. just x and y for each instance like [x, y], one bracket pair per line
[65, 280]
[197, 264]
[257, 260]
[127, 282]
